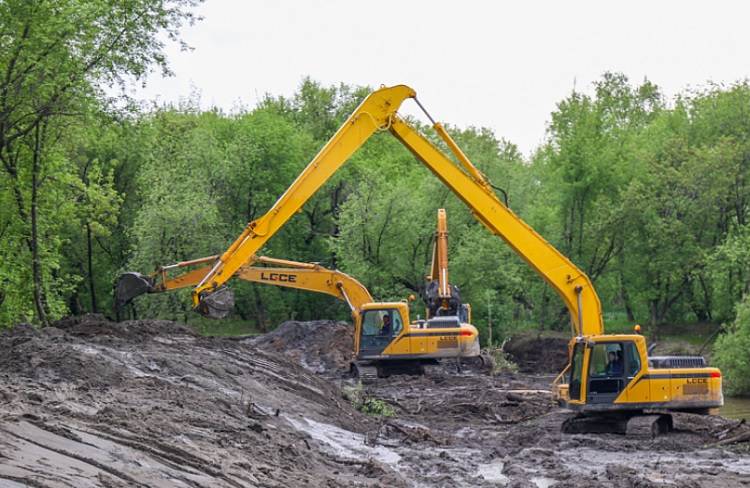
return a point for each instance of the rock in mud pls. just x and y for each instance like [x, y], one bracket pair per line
[538, 354]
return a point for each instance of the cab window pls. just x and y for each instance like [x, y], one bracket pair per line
[575, 373]
[607, 361]
[385, 323]
[634, 359]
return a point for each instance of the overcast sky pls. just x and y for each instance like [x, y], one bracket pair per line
[503, 65]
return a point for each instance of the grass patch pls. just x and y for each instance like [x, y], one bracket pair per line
[223, 327]
[501, 360]
[368, 405]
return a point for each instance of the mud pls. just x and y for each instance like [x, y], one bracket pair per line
[537, 354]
[320, 346]
[147, 403]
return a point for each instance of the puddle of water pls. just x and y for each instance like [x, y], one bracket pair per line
[493, 472]
[736, 408]
[344, 443]
[598, 460]
[542, 482]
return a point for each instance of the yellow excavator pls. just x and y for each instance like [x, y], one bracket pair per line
[441, 298]
[610, 379]
[386, 341]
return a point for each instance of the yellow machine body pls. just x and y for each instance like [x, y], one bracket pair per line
[411, 340]
[642, 382]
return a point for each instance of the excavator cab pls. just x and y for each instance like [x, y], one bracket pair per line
[603, 369]
[614, 385]
[379, 328]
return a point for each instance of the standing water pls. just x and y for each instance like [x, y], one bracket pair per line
[736, 408]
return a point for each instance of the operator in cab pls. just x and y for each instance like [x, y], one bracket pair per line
[614, 364]
[387, 327]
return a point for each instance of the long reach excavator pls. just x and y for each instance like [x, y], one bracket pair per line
[386, 341]
[610, 381]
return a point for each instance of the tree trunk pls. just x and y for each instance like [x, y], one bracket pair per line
[36, 260]
[260, 309]
[90, 257]
[626, 299]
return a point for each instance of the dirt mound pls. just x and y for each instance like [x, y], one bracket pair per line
[538, 354]
[64, 352]
[150, 404]
[321, 346]
[93, 325]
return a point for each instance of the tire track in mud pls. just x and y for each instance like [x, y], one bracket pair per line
[82, 459]
[175, 457]
[179, 460]
[20, 482]
[164, 407]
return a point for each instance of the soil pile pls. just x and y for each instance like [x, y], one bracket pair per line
[320, 346]
[150, 404]
[538, 354]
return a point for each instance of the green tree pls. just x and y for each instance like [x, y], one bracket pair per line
[56, 59]
[588, 162]
[730, 351]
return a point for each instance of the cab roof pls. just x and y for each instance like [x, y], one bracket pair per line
[382, 305]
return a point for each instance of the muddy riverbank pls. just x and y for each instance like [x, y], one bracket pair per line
[150, 403]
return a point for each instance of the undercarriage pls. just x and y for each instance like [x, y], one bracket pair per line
[635, 423]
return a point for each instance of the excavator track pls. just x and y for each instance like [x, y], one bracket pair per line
[365, 372]
[643, 425]
[578, 424]
[649, 425]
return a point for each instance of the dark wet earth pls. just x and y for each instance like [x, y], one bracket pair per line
[150, 403]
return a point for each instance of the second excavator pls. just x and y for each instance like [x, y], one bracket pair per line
[386, 341]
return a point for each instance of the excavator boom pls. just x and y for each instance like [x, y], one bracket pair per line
[439, 269]
[570, 283]
[278, 272]
[310, 277]
[376, 113]
[379, 112]
[372, 115]
[440, 296]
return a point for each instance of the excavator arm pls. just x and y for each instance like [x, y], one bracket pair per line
[278, 272]
[442, 298]
[570, 283]
[379, 112]
[439, 268]
[373, 114]
[310, 277]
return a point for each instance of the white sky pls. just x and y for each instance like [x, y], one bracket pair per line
[503, 65]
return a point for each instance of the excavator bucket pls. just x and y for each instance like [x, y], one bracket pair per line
[129, 286]
[218, 304]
